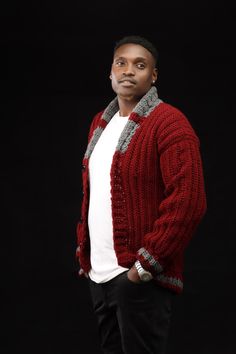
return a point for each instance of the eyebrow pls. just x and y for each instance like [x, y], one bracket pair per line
[135, 59]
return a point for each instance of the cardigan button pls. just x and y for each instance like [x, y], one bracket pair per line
[83, 167]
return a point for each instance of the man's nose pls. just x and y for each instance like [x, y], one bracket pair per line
[129, 70]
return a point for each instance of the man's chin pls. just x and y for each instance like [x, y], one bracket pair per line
[128, 95]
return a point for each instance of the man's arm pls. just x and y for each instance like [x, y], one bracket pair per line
[183, 206]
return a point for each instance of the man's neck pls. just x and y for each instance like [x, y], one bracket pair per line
[126, 107]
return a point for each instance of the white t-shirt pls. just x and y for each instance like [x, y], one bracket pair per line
[104, 265]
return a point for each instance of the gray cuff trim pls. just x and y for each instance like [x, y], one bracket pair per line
[170, 280]
[151, 260]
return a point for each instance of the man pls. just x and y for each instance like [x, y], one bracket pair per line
[143, 197]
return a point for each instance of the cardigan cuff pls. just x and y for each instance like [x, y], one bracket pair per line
[148, 262]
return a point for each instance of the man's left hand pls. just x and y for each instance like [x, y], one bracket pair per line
[133, 276]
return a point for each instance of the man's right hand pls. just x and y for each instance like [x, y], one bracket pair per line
[82, 273]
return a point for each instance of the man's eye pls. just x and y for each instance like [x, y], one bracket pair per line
[140, 65]
[119, 63]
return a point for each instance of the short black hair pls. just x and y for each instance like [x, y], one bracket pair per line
[138, 40]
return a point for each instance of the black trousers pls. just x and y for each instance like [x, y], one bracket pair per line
[132, 318]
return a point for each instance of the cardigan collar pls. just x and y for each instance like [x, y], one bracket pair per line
[143, 108]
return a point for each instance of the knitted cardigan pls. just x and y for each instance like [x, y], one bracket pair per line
[157, 189]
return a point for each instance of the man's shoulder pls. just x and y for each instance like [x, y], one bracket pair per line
[167, 114]
[96, 118]
[171, 121]
[164, 110]
[98, 115]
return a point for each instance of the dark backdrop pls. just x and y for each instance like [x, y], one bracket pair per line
[56, 58]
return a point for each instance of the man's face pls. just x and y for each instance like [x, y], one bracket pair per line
[132, 72]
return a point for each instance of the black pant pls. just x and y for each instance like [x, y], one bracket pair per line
[132, 318]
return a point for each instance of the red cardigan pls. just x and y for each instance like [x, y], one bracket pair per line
[157, 189]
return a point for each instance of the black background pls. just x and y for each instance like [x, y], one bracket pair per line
[56, 58]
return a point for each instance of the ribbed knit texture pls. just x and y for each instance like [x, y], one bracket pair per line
[157, 188]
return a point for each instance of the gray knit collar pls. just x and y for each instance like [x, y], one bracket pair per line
[143, 108]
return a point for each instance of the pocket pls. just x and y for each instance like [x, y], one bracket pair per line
[132, 282]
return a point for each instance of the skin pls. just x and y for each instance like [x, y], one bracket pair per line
[136, 65]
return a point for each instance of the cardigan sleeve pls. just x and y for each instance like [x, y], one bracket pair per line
[185, 201]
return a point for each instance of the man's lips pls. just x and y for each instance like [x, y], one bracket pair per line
[127, 80]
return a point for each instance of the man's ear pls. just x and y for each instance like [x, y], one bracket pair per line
[155, 74]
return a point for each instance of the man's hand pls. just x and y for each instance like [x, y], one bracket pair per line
[133, 276]
[82, 273]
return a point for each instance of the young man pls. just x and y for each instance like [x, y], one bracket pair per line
[143, 199]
